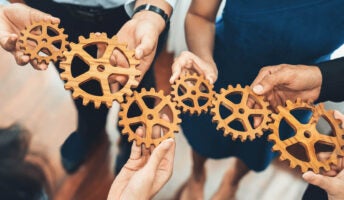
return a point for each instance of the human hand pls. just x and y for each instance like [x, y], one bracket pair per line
[332, 181]
[140, 33]
[146, 171]
[14, 18]
[288, 82]
[188, 61]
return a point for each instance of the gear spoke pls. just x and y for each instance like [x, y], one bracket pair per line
[244, 98]
[142, 104]
[326, 138]
[83, 77]
[229, 119]
[290, 119]
[105, 87]
[134, 120]
[228, 104]
[160, 106]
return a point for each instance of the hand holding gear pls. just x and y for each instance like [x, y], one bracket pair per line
[193, 93]
[149, 118]
[306, 137]
[46, 38]
[240, 112]
[99, 70]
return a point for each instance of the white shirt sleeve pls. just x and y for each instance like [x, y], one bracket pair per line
[4, 2]
[129, 6]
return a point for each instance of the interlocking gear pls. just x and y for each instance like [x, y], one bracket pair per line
[336, 125]
[306, 136]
[240, 112]
[149, 118]
[193, 93]
[35, 39]
[99, 70]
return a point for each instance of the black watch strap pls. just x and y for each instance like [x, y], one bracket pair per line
[152, 8]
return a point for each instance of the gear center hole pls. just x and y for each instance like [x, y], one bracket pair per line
[150, 117]
[241, 111]
[307, 134]
[101, 68]
[44, 40]
[193, 92]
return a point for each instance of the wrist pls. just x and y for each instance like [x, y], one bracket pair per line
[151, 17]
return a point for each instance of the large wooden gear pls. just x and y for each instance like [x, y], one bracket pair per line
[36, 38]
[240, 112]
[99, 69]
[193, 93]
[149, 117]
[306, 135]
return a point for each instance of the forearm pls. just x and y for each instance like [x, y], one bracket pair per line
[200, 28]
[332, 80]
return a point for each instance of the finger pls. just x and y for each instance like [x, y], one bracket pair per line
[340, 116]
[39, 66]
[270, 81]
[317, 179]
[37, 16]
[146, 47]
[159, 153]
[145, 150]
[166, 118]
[176, 71]
[9, 42]
[136, 150]
[101, 47]
[257, 120]
[114, 87]
[21, 59]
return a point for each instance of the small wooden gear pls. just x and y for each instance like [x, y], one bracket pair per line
[150, 117]
[306, 136]
[193, 93]
[99, 70]
[43, 37]
[240, 112]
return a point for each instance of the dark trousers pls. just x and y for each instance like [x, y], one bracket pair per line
[81, 20]
[314, 193]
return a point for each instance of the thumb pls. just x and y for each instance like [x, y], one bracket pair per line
[146, 47]
[269, 82]
[323, 182]
[158, 154]
[8, 41]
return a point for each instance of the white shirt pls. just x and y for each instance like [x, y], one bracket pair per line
[129, 4]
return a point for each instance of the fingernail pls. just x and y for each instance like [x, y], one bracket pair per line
[258, 89]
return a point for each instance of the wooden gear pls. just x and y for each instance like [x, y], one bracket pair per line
[240, 113]
[306, 135]
[149, 117]
[99, 69]
[45, 42]
[193, 88]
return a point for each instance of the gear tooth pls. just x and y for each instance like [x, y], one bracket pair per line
[68, 85]
[109, 104]
[85, 101]
[115, 38]
[292, 164]
[75, 95]
[131, 138]
[81, 38]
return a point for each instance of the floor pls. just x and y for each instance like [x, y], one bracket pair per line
[38, 100]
